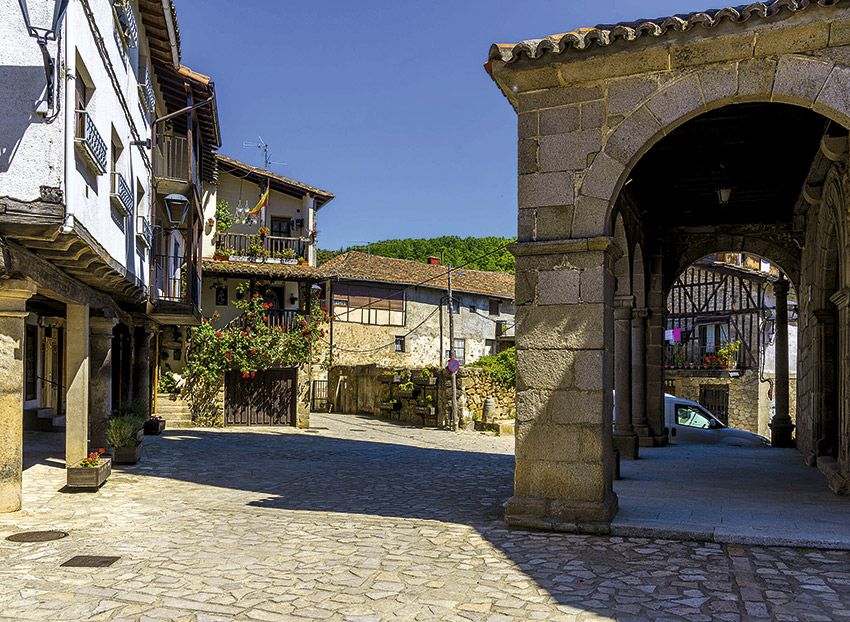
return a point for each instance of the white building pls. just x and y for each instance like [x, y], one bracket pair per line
[93, 259]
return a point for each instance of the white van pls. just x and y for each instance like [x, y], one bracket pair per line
[689, 422]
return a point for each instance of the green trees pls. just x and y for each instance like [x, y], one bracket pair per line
[487, 253]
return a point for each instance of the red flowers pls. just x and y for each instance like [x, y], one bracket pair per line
[248, 374]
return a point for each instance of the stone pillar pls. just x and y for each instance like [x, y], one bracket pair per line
[564, 449]
[639, 421]
[781, 427]
[100, 378]
[14, 294]
[655, 354]
[625, 439]
[841, 300]
[142, 367]
[302, 397]
[77, 371]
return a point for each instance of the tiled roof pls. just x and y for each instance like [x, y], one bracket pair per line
[268, 270]
[357, 266]
[607, 34]
[283, 184]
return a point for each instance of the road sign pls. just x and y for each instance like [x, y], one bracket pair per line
[453, 366]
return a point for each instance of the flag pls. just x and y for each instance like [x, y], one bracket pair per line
[264, 202]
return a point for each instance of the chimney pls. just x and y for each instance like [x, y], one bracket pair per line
[433, 261]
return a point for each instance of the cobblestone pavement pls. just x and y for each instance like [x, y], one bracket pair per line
[363, 520]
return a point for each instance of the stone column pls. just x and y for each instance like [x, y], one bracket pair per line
[781, 427]
[142, 367]
[564, 449]
[625, 439]
[77, 371]
[639, 421]
[655, 353]
[14, 294]
[841, 300]
[100, 378]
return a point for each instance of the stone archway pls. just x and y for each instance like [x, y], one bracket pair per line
[587, 116]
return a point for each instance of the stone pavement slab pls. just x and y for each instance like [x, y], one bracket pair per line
[365, 520]
[734, 495]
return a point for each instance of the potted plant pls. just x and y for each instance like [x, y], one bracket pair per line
[155, 425]
[426, 377]
[90, 472]
[220, 254]
[263, 232]
[728, 354]
[122, 435]
[425, 406]
[302, 261]
[406, 389]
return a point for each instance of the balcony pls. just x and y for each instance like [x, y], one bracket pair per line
[173, 168]
[144, 231]
[254, 247]
[147, 95]
[175, 290]
[278, 318]
[120, 194]
[89, 142]
[127, 22]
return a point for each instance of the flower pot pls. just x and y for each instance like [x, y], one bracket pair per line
[126, 455]
[289, 262]
[89, 477]
[425, 410]
[405, 393]
[389, 378]
[274, 260]
[238, 258]
[385, 406]
[154, 426]
[425, 382]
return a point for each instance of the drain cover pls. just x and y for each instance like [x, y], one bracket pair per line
[36, 536]
[91, 561]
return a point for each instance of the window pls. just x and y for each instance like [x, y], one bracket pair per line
[281, 227]
[473, 309]
[692, 417]
[715, 398]
[399, 344]
[494, 307]
[460, 350]
[369, 304]
[490, 347]
[221, 296]
[456, 306]
[712, 337]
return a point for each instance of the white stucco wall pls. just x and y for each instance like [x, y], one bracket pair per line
[244, 194]
[37, 151]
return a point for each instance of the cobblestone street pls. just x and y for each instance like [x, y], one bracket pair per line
[359, 519]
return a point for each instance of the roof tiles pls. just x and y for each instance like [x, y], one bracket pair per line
[604, 35]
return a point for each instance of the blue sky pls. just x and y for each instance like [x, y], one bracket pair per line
[384, 103]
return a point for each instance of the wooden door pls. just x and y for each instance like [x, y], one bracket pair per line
[266, 399]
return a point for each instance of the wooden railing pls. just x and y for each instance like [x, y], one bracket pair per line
[283, 318]
[240, 243]
[172, 157]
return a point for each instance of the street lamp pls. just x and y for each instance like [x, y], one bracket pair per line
[177, 208]
[44, 31]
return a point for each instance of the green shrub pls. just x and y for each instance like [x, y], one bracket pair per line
[167, 383]
[223, 217]
[121, 431]
[500, 368]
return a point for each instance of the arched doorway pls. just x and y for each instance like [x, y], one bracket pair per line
[708, 153]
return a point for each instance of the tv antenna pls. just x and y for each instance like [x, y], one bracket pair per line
[264, 147]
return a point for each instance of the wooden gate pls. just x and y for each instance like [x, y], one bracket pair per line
[268, 398]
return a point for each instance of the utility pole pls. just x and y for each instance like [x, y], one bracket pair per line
[452, 349]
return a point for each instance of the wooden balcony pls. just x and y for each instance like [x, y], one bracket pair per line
[176, 169]
[278, 318]
[175, 289]
[252, 245]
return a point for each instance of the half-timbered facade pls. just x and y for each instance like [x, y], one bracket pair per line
[719, 344]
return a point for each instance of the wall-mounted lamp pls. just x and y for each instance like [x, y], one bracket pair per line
[723, 195]
[293, 299]
[177, 208]
[43, 33]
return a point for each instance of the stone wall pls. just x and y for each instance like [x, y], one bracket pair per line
[369, 389]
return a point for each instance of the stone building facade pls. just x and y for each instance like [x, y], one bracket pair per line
[382, 317]
[629, 138]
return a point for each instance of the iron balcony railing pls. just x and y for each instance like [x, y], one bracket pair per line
[175, 279]
[127, 20]
[144, 231]
[90, 142]
[146, 95]
[120, 193]
[172, 157]
[251, 245]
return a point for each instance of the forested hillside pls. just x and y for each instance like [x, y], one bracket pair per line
[477, 253]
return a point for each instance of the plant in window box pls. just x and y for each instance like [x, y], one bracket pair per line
[220, 254]
[302, 261]
[426, 377]
[90, 472]
[425, 405]
[728, 354]
[155, 425]
[406, 389]
[122, 435]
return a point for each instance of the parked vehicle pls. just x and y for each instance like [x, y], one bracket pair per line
[690, 422]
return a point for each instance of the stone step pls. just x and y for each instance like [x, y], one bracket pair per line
[170, 424]
[173, 408]
[45, 413]
[58, 421]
